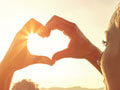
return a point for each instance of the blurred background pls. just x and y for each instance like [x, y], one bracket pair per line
[91, 16]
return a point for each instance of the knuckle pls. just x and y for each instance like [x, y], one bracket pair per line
[54, 17]
[73, 25]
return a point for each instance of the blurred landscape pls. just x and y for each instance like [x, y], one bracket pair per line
[29, 85]
[72, 88]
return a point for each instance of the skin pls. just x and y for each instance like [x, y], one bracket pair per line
[110, 61]
[79, 46]
[18, 56]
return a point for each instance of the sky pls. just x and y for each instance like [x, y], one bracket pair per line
[91, 16]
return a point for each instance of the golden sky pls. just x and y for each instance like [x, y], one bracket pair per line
[91, 16]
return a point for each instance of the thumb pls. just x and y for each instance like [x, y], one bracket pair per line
[61, 54]
[41, 59]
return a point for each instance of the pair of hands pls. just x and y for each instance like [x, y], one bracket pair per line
[19, 57]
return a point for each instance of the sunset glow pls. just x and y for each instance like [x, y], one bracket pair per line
[91, 17]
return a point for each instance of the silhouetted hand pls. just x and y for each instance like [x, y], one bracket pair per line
[79, 46]
[18, 55]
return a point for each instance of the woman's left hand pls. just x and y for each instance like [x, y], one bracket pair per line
[18, 55]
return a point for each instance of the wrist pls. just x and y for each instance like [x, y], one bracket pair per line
[94, 57]
[5, 68]
[95, 54]
[6, 74]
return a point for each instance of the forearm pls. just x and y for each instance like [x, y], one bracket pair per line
[5, 77]
[94, 57]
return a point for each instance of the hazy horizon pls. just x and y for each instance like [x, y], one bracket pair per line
[71, 88]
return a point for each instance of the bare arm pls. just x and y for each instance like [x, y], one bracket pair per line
[5, 77]
[79, 46]
[94, 58]
[18, 55]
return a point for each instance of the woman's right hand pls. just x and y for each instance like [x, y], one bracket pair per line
[79, 46]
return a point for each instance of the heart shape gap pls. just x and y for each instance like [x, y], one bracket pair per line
[57, 41]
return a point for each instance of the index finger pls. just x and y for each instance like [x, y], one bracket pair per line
[61, 24]
[32, 26]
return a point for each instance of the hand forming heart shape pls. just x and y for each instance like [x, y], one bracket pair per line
[19, 57]
[79, 46]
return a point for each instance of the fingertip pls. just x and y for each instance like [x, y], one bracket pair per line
[57, 56]
[41, 59]
[44, 32]
[51, 64]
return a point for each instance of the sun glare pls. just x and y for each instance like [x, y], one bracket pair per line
[47, 46]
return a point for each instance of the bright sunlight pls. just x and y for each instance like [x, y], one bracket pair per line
[66, 72]
[57, 41]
